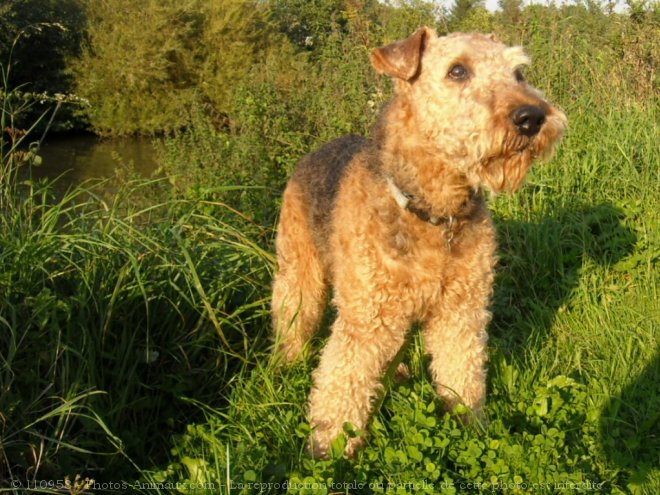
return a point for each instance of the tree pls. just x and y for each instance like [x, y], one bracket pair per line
[41, 35]
[236, 37]
[400, 18]
[510, 11]
[307, 24]
[462, 9]
[144, 64]
[137, 69]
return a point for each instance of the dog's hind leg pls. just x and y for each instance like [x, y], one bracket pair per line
[300, 287]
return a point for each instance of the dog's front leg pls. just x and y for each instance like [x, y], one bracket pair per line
[455, 337]
[348, 379]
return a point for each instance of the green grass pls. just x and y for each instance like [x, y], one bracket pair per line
[110, 314]
[573, 395]
[135, 331]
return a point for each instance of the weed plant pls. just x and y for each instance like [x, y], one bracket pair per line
[111, 310]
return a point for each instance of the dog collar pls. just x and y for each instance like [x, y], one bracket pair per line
[404, 200]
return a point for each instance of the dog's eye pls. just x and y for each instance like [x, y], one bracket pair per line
[458, 72]
[519, 75]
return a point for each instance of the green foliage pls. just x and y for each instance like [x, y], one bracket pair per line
[462, 10]
[144, 76]
[97, 295]
[540, 441]
[138, 75]
[40, 36]
[276, 120]
[111, 311]
[237, 36]
[135, 328]
[405, 16]
[308, 24]
[510, 10]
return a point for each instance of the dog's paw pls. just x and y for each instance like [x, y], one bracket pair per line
[323, 444]
[402, 373]
[469, 417]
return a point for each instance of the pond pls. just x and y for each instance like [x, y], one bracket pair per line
[77, 157]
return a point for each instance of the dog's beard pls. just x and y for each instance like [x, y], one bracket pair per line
[506, 173]
[512, 157]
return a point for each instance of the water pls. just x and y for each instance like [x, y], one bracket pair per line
[77, 157]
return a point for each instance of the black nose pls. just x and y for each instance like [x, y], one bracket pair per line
[528, 119]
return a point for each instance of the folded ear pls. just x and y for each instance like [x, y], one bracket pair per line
[401, 59]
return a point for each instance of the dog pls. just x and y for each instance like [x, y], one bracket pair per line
[397, 225]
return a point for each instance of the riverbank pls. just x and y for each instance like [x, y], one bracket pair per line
[76, 157]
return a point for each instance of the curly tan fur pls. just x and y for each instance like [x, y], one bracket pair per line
[446, 134]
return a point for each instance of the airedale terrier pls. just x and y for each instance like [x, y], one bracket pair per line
[397, 224]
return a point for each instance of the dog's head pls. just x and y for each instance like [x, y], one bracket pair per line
[467, 102]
